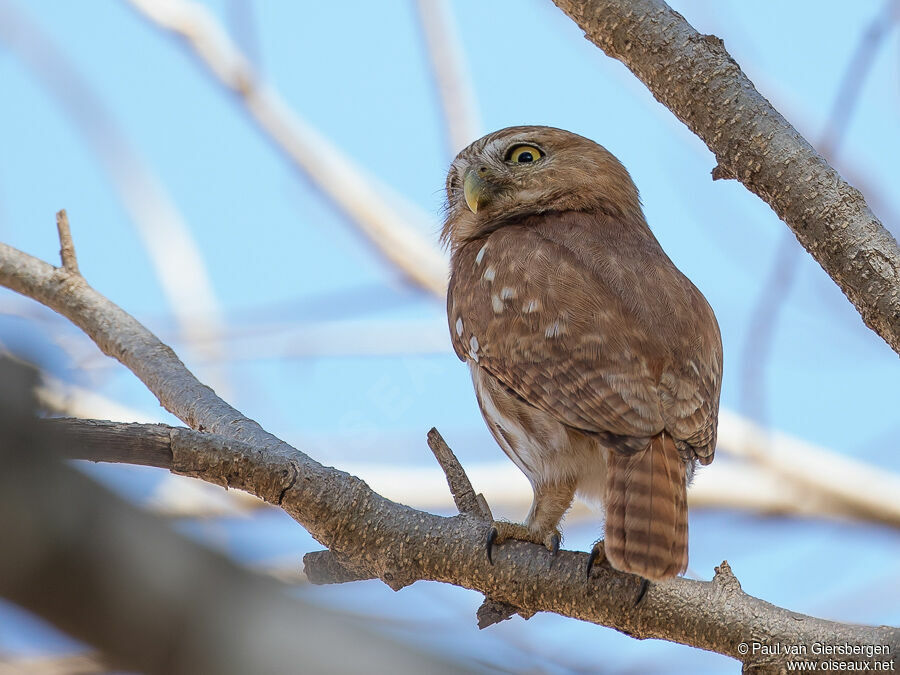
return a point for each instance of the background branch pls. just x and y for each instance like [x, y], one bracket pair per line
[380, 215]
[695, 77]
[450, 74]
[153, 601]
[174, 254]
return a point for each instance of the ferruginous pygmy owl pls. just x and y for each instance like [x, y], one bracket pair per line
[596, 363]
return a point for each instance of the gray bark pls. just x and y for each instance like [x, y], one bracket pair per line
[695, 77]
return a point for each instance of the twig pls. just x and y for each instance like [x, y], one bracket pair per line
[764, 317]
[460, 487]
[67, 248]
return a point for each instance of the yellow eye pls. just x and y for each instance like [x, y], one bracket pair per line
[523, 154]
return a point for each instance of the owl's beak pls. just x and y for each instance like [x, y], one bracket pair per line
[476, 189]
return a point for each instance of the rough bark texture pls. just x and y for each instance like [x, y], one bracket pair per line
[399, 545]
[695, 77]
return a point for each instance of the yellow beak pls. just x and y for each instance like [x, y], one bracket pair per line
[476, 190]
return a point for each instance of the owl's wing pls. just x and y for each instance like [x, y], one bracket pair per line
[591, 324]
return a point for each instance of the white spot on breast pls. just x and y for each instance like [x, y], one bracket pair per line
[496, 304]
[459, 326]
[694, 366]
[480, 255]
[531, 306]
[554, 330]
[489, 273]
[507, 293]
[473, 351]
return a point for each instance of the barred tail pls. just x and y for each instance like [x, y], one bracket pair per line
[646, 511]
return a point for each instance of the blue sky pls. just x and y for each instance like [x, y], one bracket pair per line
[279, 255]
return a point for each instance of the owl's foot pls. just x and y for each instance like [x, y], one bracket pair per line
[501, 531]
[597, 553]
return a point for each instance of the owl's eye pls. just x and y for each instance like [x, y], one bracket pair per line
[523, 154]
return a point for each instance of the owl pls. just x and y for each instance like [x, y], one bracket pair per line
[596, 363]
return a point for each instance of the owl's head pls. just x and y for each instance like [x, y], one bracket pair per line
[522, 171]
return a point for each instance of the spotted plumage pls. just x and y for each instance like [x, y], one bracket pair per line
[596, 363]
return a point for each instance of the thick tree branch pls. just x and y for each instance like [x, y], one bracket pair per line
[695, 77]
[399, 545]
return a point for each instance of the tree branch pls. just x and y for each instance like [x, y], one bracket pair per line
[695, 77]
[383, 221]
[122, 580]
[401, 545]
[398, 544]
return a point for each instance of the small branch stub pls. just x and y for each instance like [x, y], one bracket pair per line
[464, 495]
[719, 172]
[66, 246]
[725, 578]
[321, 567]
[493, 611]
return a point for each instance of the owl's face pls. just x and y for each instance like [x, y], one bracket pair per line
[522, 171]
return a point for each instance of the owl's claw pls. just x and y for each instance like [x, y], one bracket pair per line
[554, 543]
[597, 553]
[489, 543]
[501, 531]
[645, 584]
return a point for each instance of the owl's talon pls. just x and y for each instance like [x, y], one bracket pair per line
[554, 543]
[645, 584]
[596, 553]
[489, 543]
[501, 531]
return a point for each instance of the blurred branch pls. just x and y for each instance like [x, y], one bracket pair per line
[174, 255]
[765, 315]
[67, 664]
[761, 471]
[450, 74]
[150, 599]
[368, 204]
[695, 77]
[370, 534]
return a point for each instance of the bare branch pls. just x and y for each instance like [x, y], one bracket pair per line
[695, 77]
[450, 76]
[370, 205]
[66, 247]
[457, 480]
[398, 544]
[712, 615]
[171, 248]
[765, 315]
[769, 473]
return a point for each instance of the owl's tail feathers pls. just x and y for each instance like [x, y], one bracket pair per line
[646, 511]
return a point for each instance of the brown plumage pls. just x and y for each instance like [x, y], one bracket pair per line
[596, 363]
